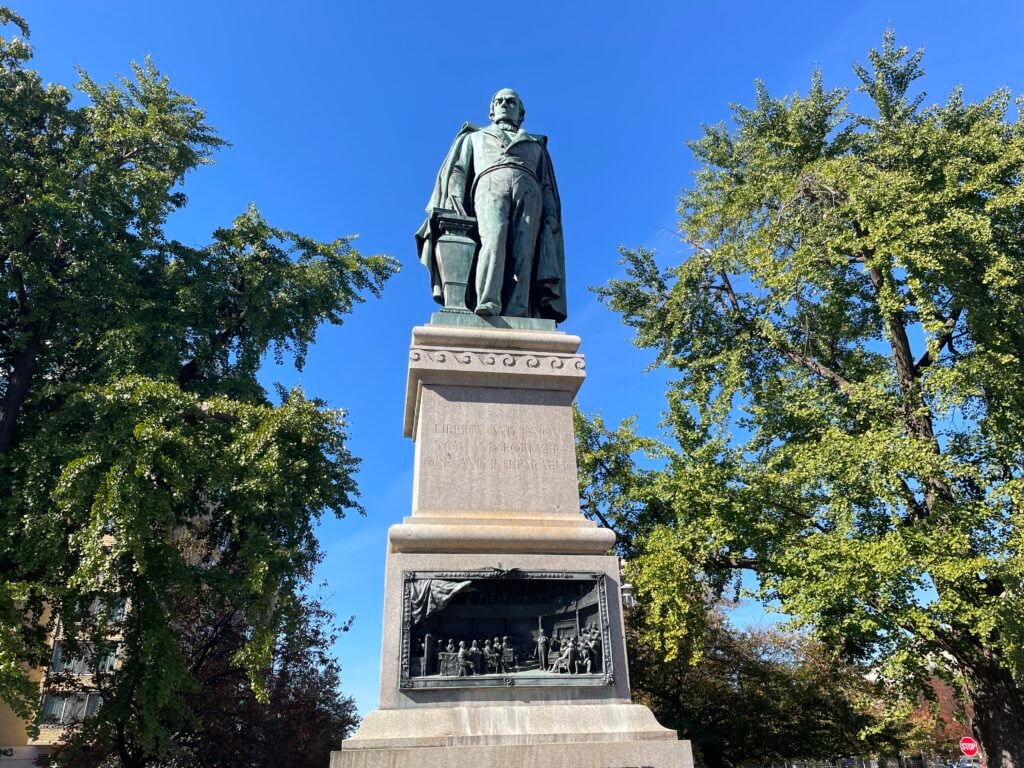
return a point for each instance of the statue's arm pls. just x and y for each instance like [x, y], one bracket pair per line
[458, 173]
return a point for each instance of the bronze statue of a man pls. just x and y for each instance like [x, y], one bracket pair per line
[503, 176]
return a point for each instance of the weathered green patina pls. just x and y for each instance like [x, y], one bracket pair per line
[500, 179]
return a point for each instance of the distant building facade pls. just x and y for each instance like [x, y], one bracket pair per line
[68, 695]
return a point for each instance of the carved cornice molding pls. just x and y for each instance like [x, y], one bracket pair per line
[485, 360]
[467, 357]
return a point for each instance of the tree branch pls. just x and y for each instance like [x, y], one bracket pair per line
[592, 508]
[734, 562]
[945, 338]
[918, 511]
[809, 364]
[202, 411]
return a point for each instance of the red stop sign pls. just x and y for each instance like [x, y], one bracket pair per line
[968, 746]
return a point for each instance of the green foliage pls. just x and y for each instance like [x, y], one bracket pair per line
[303, 718]
[140, 459]
[846, 418]
[759, 696]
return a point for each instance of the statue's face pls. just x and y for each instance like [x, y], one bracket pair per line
[507, 107]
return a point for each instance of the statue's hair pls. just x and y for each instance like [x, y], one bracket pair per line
[522, 107]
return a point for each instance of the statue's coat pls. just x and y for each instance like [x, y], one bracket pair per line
[547, 292]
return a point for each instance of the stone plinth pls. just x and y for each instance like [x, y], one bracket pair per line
[495, 464]
[496, 540]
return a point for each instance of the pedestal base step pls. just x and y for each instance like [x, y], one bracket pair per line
[514, 736]
[587, 754]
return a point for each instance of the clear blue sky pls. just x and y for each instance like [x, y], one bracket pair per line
[339, 114]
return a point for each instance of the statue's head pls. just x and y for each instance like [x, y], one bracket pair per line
[507, 107]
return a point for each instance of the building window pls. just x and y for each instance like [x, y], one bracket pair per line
[69, 709]
[89, 664]
[105, 663]
[113, 607]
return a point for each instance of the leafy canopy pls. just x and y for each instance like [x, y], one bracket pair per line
[304, 718]
[763, 696]
[847, 416]
[140, 459]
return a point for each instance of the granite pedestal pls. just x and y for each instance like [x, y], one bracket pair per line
[495, 538]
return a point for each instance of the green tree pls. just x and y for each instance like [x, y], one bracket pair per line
[847, 415]
[140, 460]
[762, 696]
[303, 720]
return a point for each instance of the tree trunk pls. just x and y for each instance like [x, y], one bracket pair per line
[18, 386]
[998, 722]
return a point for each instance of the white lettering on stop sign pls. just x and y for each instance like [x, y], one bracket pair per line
[968, 746]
